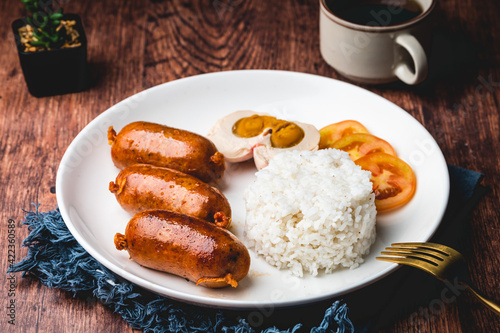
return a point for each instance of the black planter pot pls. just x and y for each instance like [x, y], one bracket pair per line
[57, 71]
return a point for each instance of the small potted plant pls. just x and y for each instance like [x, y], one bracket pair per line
[52, 49]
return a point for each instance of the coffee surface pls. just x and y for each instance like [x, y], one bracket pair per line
[375, 12]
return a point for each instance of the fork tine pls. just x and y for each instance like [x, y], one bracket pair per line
[425, 266]
[428, 254]
[432, 246]
[414, 255]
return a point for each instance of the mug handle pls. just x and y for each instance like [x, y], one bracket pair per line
[417, 53]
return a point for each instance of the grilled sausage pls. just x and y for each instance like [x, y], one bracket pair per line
[185, 246]
[142, 186]
[150, 143]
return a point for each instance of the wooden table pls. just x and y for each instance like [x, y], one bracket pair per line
[134, 45]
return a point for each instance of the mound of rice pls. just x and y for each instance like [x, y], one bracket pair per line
[309, 211]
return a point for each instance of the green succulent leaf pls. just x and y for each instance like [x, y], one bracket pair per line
[56, 16]
[38, 35]
[55, 38]
[45, 33]
[39, 43]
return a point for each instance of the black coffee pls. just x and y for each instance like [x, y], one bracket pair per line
[375, 12]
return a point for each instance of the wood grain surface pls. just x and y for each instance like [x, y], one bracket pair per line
[134, 45]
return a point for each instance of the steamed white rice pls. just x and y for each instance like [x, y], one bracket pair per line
[311, 211]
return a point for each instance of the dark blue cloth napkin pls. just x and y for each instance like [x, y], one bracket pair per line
[58, 261]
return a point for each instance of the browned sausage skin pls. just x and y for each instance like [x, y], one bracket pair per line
[185, 246]
[156, 144]
[142, 186]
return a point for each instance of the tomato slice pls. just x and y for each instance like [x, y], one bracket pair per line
[393, 179]
[333, 132]
[361, 144]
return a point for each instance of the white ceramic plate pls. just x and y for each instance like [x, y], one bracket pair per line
[93, 216]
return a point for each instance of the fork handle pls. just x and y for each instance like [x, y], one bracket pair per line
[492, 305]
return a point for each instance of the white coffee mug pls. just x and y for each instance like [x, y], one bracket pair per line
[376, 53]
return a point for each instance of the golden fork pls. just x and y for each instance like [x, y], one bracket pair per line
[441, 261]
